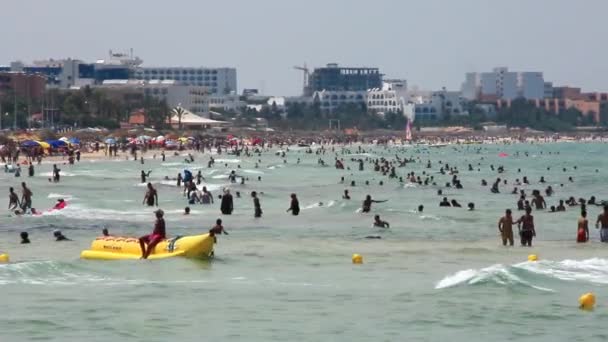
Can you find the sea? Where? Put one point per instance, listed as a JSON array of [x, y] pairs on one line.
[[437, 275]]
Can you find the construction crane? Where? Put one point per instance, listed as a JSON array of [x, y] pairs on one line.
[[306, 72]]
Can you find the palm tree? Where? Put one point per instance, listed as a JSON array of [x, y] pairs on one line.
[[179, 111]]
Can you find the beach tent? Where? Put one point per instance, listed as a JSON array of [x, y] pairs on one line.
[[57, 143], [29, 143], [44, 144]]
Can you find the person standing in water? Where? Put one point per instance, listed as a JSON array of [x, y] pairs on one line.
[[56, 175], [505, 227], [206, 197], [582, 230], [227, 205], [26, 197], [151, 197], [217, 229], [294, 206], [256, 205], [526, 228], [378, 223], [145, 175], [158, 234], [602, 224], [367, 204], [31, 170], [13, 199]]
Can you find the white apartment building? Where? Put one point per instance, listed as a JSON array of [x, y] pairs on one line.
[[332, 100], [193, 98], [501, 83], [440, 104], [392, 98], [228, 103], [218, 81]]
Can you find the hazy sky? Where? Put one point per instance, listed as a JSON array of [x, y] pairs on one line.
[[431, 43]]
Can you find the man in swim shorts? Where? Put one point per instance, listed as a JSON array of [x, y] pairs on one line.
[[158, 234], [603, 220], [505, 226], [151, 197], [13, 199], [526, 228]]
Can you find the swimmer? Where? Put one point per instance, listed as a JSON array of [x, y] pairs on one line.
[[445, 203], [227, 204], [187, 211], [471, 206], [420, 209], [105, 232], [346, 196], [582, 230], [13, 199], [144, 175], [602, 224], [25, 238], [59, 236], [294, 206], [378, 223], [256, 205], [26, 197], [505, 227], [561, 206], [218, 229], [151, 196], [367, 204], [525, 224], [455, 204]]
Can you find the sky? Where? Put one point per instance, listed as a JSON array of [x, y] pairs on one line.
[[431, 43]]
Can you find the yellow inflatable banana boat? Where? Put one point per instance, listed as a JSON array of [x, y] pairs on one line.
[[120, 248]]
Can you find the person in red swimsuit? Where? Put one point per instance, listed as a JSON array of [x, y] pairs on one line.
[[158, 234]]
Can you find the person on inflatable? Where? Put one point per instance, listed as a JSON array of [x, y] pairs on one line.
[[60, 204], [151, 240]]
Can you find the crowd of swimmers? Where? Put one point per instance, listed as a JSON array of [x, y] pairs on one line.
[[385, 167]]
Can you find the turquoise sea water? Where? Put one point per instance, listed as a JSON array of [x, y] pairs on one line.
[[439, 275]]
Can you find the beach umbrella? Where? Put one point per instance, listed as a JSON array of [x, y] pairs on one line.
[[74, 141], [160, 137], [29, 143], [63, 139], [56, 143], [144, 137], [183, 139], [44, 144], [110, 141]]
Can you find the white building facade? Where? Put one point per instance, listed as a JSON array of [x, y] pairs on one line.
[[330, 101], [440, 104], [192, 98], [218, 81], [503, 84], [392, 98]]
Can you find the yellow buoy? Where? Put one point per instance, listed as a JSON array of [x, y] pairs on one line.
[[357, 259], [587, 301], [4, 258], [532, 257]]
